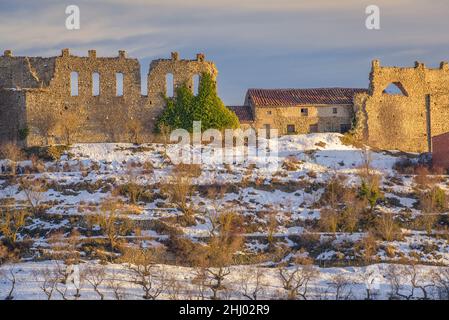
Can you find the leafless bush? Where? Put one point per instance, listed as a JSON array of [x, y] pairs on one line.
[[252, 283], [174, 287], [440, 280], [341, 286], [12, 221], [296, 280], [13, 153], [47, 279], [111, 224], [405, 280], [95, 276], [219, 252], [142, 264], [329, 220], [387, 228], [116, 285], [10, 275], [34, 191], [179, 190], [201, 282]]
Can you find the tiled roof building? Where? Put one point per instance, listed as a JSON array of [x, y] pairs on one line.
[[299, 110]]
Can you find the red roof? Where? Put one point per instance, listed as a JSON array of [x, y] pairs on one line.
[[244, 113], [293, 97]]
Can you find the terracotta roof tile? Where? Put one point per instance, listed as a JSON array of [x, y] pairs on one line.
[[244, 113], [293, 97]]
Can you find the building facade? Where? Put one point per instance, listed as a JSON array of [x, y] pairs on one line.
[[104, 91], [297, 111]]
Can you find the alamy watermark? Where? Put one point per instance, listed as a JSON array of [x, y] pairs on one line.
[[231, 146], [372, 21], [73, 20]]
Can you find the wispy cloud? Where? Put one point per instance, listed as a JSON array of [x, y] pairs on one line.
[[254, 42]]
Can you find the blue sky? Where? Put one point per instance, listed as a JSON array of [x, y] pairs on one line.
[[255, 43]]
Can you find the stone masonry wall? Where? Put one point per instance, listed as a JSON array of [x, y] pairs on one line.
[[183, 72], [48, 91], [12, 114], [321, 117], [405, 121]]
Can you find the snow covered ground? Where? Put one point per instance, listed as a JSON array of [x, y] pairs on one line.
[[327, 284], [90, 174]]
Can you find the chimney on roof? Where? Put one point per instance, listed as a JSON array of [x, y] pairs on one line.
[[375, 64], [7, 53], [419, 65], [175, 56], [92, 54], [200, 57], [65, 52], [122, 54]]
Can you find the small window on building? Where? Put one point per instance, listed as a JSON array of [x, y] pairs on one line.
[[269, 113], [196, 84], [313, 128], [291, 129], [304, 112], [74, 84], [169, 85], [334, 110], [345, 128], [95, 84], [119, 84]]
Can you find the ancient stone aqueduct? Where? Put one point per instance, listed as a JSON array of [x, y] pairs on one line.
[[32, 87]]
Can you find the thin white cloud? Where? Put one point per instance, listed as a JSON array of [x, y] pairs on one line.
[[236, 32]]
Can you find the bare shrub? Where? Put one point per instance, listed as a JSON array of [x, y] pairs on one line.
[[35, 193], [179, 190], [13, 153], [405, 280], [10, 275], [296, 280], [47, 279], [341, 286], [145, 274], [433, 201], [387, 228], [187, 170], [111, 224], [329, 220], [95, 276], [422, 178], [220, 250], [440, 280], [116, 286], [252, 283], [368, 247], [12, 221]]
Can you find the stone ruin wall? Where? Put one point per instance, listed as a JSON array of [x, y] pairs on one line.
[[183, 72], [404, 121], [33, 87]]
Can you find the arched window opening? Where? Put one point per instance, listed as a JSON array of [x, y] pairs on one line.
[[169, 85], [74, 84], [196, 84], [95, 84], [395, 88], [119, 84]]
